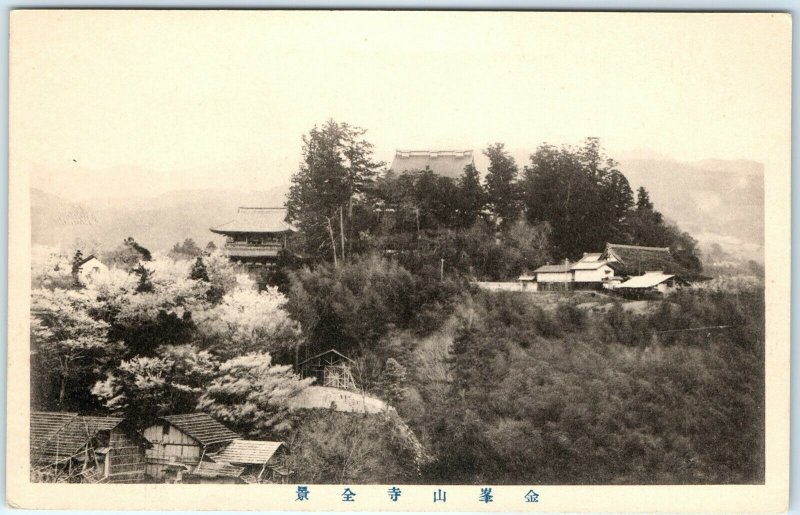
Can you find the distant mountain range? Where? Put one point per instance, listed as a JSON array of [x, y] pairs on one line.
[[716, 201], [155, 222]]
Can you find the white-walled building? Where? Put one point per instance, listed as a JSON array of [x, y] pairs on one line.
[[90, 266], [554, 277], [591, 272]]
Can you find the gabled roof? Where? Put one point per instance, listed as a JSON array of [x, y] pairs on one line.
[[255, 220], [447, 163], [329, 351], [202, 428], [648, 280], [562, 267], [634, 260], [247, 452], [72, 435]]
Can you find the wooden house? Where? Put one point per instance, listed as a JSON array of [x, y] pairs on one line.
[[447, 163], [184, 439], [329, 368], [256, 236], [67, 447], [262, 462]]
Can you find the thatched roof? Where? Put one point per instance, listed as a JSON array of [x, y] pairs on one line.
[[447, 163], [257, 220]]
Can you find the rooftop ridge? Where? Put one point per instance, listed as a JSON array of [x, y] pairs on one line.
[[640, 247], [465, 151]]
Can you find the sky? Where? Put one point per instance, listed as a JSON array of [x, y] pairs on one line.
[[119, 103]]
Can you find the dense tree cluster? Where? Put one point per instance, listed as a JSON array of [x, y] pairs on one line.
[[575, 196]]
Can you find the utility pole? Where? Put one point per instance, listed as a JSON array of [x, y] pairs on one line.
[[333, 242], [441, 269], [341, 229]]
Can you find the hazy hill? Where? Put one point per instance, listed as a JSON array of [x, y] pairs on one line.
[[156, 222], [714, 200]]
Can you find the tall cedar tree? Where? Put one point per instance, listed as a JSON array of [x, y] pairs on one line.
[[471, 196], [580, 193], [501, 190], [327, 191]]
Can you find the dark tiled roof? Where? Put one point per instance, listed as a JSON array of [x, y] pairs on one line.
[[68, 439], [636, 260], [257, 220], [250, 452], [202, 428], [447, 163]]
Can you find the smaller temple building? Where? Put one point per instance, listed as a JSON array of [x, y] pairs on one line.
[[256, 236]]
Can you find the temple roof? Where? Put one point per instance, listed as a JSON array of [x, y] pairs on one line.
[[257, 220], [634, 260], [447, 163]]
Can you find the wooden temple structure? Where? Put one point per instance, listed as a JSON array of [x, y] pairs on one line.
[[256, 236]]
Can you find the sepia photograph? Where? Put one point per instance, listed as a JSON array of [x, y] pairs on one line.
[[406, 249]]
